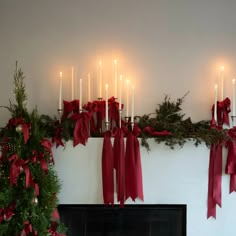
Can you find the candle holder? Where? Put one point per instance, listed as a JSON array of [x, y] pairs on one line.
[[120, 114], [233, 120], [99, 99], [59, 111], [107, 123], [80, 110], [132, 125]]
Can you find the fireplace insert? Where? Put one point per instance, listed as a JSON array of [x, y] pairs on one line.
[[131, 220]]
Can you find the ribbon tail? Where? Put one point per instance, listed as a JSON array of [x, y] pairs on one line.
[[232, 183]]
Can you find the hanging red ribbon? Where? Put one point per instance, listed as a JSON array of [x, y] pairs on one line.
[[57, 137], [113, 110], [81, 130], [52, 230], [6, 213], [231, 159], [214, 179], [107, 170]]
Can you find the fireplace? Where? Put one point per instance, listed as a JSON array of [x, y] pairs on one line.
[[131, 220]]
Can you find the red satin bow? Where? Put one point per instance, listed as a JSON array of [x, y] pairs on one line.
[[150, 131], [40, 158], [28, 229], [25, 127], [57, 137], [7, 212], [70, 107], [53, 228], [81, 130], [47, 144], [113, 110]]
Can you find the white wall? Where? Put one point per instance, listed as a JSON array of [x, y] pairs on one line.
[[168, 46], [177, 176]]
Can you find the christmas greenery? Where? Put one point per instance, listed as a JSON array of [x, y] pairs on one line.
[[28, 181]]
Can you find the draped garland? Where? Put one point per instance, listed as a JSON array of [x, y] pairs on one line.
[[27, 140]]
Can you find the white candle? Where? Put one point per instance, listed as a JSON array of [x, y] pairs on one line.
[[89, 96], [106, 110], [100, 80], [72, 84], [132, 107], [60, 92], [233, 81], [120, 97], [115, 82], [222, 82], [127, 98], [80, 95], [215, 103]]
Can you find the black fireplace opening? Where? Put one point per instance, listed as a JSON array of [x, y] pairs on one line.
[[130, 220]]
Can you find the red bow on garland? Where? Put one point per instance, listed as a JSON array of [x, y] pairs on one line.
[[52, 230], [7, 212], [28, 229], [150, 131], [47, 144], [70, 107]]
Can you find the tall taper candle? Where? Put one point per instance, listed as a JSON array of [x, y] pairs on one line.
[[127, 98], [89, 95], [222, 82], [132, 106], [106, 110], [72, 83], [215, 103], [120, 98], [233, 81], [115, 82], [60, 92], [100, 80], [80, 95]]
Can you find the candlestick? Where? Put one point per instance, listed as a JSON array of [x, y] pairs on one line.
[[132, 107], [127, 98], [100, 80], [120, 98], [80, 95], [72, 83], [222, 82], [106, 115], [115, 68], [60, 92], [89, 97], [215, 103], [233, 81]]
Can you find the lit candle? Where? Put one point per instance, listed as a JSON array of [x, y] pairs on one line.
[[89, 98], [233, 81], [72, 83], [127, 98], [60, 92], [80, 95], [132, 106], [100, 80], [120, 98], [115, 68], [106, 110], [215, 104], [222, 82]]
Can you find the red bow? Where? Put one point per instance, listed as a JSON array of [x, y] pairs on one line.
[[40, 157], [25, 127], [150, 131], [70, 107], [28, 229], [57, 137], [7, 212], [52, 230], [47, 144], [81, 130], [113, 110]]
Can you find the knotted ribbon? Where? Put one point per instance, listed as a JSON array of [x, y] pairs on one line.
[[47, 144], [28, 229], [231, 159], [7, 212], [214, 179], [113, 110], [70, 107], [81, 130], [40, 158], [57, 137], [52, 230]]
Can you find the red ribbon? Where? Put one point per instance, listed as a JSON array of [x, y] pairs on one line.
[[25, 127], [52, 230], [28, 230], [40, 158], [57, 137], [150, 131], [70, 107], [47, 144], [231, 159], [7, 212], [214, 178], [113, 110], [81, 130]]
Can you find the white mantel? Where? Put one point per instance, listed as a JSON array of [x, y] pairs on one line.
[[178, 176]]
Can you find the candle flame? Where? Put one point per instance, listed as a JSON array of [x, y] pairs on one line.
[[216, 86], [121, 76], [233, 80], [100, 63], [222, 68], [127, 82], [60, 74], [106, 86], [115, 61]]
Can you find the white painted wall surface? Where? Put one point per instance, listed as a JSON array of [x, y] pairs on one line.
[[177, 176]]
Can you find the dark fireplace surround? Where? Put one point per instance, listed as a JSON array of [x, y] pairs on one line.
[[131, 220]]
